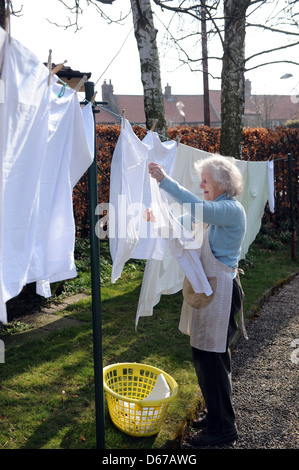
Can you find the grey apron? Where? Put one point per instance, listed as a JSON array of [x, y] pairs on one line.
[[208, 326]]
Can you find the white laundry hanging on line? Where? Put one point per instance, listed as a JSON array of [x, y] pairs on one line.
[[165, 277], [150, 245], [130, 195], [24, 143], [258, 189], [24, 116], [271, 189], [125, 198], [69, 153]]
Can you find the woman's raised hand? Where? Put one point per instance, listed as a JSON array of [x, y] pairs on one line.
[[156, 171]]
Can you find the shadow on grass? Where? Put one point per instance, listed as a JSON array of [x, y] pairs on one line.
[[47, 382]]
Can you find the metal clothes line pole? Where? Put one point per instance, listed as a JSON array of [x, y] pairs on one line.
[[96, 291]]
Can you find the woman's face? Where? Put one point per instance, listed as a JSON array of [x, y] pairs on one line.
[[209, 186]]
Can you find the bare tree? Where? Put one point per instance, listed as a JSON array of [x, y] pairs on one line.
[[232, 78], [145, 34], [2, 14], [229, 20]]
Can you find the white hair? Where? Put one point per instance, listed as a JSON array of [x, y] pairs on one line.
[[225, 172]]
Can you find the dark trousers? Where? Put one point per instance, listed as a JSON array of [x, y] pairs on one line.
[[213, 372]]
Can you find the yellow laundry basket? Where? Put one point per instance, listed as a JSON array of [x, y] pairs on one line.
[[126, 385]]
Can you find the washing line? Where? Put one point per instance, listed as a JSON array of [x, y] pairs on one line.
[[114, 56]]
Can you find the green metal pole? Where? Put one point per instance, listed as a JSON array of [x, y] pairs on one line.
[[96, 291]]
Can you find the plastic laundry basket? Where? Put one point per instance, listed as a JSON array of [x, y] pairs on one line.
[[126, 385]]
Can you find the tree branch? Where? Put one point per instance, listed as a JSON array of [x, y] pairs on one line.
[[274, 30], [273, 62], [272, 50]]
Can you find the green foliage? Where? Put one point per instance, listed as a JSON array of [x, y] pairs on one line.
[[292, 123]]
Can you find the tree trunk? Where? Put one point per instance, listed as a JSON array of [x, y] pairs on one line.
[[2, 14], [232, 79], [145, 34], [204, 45]]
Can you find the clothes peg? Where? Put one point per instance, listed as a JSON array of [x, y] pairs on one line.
[[124, 118], [50, 66], [178, 139], [58, 67], [7, 20], [93, 98], [79, 85], [154, 125]]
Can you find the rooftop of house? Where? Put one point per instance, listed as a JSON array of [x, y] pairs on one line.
[[185, 109], [189, 109]]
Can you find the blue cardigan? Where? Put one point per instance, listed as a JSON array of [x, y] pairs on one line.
[[226, 217]]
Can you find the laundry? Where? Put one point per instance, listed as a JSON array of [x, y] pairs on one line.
[[165, 277], [36, 195], [130, 236], [68, 155], [150, 245], [126, 194], [183, 244]]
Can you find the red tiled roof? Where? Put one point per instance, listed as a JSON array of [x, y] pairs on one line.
[[280, 107], [189, 108], [178, 110]]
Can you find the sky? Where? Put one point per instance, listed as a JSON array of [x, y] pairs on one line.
[[109, 51]]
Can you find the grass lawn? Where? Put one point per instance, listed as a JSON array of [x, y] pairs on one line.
[[46, 384]]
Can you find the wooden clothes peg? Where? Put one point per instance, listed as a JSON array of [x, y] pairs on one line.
[[154, 125], [79, 85], [178, 139], [124, 118], [58, 67], [93, 98], [50, 66], [7, 20]]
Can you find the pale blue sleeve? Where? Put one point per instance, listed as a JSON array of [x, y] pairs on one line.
[[221, 212]]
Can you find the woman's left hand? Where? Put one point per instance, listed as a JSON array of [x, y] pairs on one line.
[[148, 215]]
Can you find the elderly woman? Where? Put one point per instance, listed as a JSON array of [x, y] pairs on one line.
[[212, 325]]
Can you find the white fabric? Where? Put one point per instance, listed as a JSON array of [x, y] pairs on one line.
[[130, 236], [160, 390], [44, 150], [125, 201], [184, 246], [24, 127], [165, 277], [271, 191], [68, 155], [149, 244], [254, 198]]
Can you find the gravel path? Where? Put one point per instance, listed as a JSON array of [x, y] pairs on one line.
[[265, 376]]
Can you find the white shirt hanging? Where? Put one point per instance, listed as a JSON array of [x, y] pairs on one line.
[[43, 152]]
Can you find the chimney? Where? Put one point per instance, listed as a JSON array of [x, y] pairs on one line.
[[107, 91], [247, 87], [167, 93]]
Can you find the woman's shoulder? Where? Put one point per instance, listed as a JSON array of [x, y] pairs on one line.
[[232, 207]]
